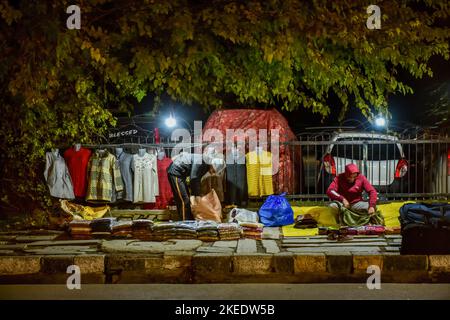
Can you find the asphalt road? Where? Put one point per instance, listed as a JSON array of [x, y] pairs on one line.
[[227, 291]]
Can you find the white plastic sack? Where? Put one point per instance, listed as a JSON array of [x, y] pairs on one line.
[[243, 215]]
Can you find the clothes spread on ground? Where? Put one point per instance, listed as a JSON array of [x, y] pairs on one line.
[[352, 218], [229, 231], [259, 173], [125, 159], [165, 197], [104, 177], [145, 178], [57, 176], [252, 230], [77, 162], [236, 176], [305, 222], [80, 229]]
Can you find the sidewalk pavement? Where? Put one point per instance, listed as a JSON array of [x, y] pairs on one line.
[[40, 259]]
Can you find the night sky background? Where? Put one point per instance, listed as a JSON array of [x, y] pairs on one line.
[[408, 110]]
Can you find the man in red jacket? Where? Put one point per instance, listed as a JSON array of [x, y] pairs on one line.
[[347, 188]]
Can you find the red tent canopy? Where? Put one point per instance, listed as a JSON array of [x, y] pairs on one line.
[[284, 180]]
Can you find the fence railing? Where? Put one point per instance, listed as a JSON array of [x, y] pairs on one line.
[[408, 168]]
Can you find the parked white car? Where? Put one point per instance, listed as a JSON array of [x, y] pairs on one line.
[[379, 161]]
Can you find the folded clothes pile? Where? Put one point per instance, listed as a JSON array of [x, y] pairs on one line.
[[164, 231], [80, 229], [229, 231], [305, 222], [186, 229], [368, 230], [122, 229], [362, 230], [102, 228], [142, 229], [207, 231], [252, 230]]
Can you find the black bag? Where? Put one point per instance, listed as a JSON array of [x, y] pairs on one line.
[[425, 228]]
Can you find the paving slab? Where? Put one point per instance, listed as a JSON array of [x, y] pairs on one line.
[[246, 246], [227, 244], [65, 243], [271, 233], [215, 249], [131, 246], [336, 244], [33, 238], [62, 250], [19, 246], [271, 246], [333, 249]]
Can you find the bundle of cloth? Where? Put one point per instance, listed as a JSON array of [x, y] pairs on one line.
[[364, 230], [164, 231], [305, 222], [207, 231], [102, 228], [80, 229], [252, 230], [229, 231], [142, 229], [243, 215], [122, 229], [186, 229]]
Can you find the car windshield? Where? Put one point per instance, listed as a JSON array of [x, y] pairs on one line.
[[375, 151], [383, 152]]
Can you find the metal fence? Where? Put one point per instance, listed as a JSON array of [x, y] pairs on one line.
[[408, 167]]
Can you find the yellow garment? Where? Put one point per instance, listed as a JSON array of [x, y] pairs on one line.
[[259, 173], [324, 216], [85, 212]]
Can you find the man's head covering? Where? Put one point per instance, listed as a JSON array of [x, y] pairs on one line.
[[350, 169]]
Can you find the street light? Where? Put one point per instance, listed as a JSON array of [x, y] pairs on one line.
[[380, 121], [171, 121]]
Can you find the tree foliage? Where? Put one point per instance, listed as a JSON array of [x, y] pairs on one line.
[[58, 86]]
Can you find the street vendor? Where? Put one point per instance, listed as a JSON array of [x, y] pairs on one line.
[[193, 166], [347, 189]]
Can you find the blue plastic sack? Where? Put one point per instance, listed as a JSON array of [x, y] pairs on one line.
[[276, 211]]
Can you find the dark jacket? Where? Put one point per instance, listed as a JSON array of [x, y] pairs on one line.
[[340, 188], [184, 166]]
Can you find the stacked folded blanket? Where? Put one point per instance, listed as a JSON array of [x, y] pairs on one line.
[[229, 231], [252, 230], [142, 229], [207, 231], [185, 230], [80, 229], [102, 228], [122, 229], [164, 231]]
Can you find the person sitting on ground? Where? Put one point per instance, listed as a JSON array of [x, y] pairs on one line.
[[347, 189]]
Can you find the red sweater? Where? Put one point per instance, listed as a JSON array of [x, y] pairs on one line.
[[165, 197], [340, 188], [77, 162]]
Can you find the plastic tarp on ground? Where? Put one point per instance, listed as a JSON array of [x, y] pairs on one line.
[[286, 178]]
